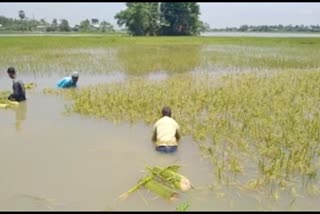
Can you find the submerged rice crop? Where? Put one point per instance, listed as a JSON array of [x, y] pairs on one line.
[[257, 128]]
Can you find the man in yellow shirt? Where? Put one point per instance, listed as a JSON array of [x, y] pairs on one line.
[[166, 132]]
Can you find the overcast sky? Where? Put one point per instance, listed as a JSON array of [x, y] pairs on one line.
[[215, 14]]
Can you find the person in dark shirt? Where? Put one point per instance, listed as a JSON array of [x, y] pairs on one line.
[[19, 93]]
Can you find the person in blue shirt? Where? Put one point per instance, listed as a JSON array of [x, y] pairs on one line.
[[69, 82]]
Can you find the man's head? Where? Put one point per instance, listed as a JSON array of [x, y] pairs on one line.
[[75, 77], [11, 72], [166, 111]]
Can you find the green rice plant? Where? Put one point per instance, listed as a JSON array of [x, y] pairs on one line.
[[262, 125], [183, 206]]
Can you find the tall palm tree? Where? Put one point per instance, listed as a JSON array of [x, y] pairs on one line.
[[22, 14], [94, 21]]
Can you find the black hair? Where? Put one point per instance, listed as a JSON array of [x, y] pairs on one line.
[[166, 111], [11, 70]]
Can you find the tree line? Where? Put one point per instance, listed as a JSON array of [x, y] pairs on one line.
[[270, 28], [26, 24], [138, 19], [145, 19]]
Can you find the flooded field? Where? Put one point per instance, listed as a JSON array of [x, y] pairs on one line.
[[78, 162], [54, 160]]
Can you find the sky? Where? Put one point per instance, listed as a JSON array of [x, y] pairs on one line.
[[217, 15]]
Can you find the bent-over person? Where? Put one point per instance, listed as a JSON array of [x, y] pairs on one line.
[[19, 93], [166, 132]]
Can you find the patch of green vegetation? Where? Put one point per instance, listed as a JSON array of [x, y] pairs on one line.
[[140, 55], [183, 206], [261, 127]]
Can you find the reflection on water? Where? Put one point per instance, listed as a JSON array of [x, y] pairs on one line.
[[160, 75], [142, 59], [20, 112], [59, 162]]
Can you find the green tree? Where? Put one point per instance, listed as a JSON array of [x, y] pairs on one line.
[[154, 17], [64, 25], [204, 27], [22, 16], [76, 28], [140, 18], [180, 18], [84, 25], [94, 23], [54, 24], [244, 28], [32, 24], [43, 22], [106, 27], [177, 18]]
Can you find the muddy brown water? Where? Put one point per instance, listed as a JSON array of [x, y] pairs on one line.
[[53, 161]]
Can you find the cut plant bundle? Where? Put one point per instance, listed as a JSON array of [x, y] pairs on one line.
[[4, 102], [165, 182], [169, 174], [30, 85], [141, 182], [8, 104], [161, 189]]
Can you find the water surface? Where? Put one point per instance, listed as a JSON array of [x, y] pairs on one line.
[[53, 161]]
